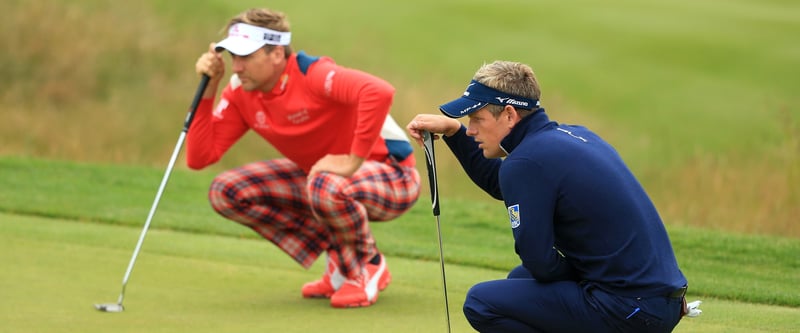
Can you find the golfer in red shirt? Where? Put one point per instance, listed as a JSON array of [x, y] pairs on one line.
[[345, 160]]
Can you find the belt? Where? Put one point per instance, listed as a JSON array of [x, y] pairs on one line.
[[678, 293]]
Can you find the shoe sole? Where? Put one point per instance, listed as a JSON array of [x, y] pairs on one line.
[[357, 305]]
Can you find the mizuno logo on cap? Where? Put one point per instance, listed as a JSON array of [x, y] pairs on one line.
[[511, 101]]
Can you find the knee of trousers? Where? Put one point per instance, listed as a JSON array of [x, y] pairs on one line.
[[327, 196], [475, 308], [221, 196], [519, 272]]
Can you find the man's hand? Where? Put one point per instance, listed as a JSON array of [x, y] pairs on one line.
[[342, 165], [436, 124], [211, 64]]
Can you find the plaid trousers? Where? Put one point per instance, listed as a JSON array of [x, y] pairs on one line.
[[306, 216]]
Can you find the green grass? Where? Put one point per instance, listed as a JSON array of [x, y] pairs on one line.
[[699, 97], [186, 282], [56, 270], [741, 273], [475, 234]]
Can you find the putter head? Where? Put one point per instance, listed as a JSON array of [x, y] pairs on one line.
[[109, 307]]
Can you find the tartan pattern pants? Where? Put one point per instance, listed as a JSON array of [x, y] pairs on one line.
[[306, 216]]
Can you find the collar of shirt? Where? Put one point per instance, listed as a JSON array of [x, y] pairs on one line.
[[283, 81], [530, 124]]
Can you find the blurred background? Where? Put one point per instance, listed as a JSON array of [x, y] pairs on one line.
[[699, 97]]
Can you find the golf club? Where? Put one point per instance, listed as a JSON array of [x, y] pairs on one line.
[[430, 160], [117, 307]]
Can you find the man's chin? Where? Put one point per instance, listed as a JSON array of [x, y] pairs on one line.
[[490, 155], [247, 85]]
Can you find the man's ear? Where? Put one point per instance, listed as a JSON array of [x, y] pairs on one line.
[[277, 54], [512, 114]]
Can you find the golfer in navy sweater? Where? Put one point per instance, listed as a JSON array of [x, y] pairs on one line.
[[595, 254]]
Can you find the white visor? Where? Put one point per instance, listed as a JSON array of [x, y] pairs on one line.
[[244, 39]]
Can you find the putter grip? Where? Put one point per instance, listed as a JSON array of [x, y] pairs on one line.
[[430, 161], [195, 102]]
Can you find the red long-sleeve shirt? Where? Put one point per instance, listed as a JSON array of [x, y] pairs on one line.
[[316, 108]]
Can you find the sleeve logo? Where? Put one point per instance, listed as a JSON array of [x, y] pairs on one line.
[[513, 215], [223, 104]]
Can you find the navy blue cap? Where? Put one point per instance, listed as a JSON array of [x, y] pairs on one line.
[[478, 95]]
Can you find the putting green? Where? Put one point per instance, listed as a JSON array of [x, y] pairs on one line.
[[55, 270]]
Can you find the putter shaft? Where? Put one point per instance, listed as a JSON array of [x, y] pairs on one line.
[[430, 160], [444, 278], [109, 307]]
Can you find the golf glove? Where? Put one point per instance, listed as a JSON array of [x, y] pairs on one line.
[[694, 309]]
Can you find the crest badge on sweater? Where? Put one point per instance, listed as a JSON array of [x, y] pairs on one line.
[[513, 215]]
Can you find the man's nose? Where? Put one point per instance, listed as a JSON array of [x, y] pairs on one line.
[[237, 64], [471, 131]]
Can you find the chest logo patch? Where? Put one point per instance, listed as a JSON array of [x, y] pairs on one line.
[[299, 117], [513, 215], [261, 120]]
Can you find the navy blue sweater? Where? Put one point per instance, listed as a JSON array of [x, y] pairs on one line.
[[575, 209]]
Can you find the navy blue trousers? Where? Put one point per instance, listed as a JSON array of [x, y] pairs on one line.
[[522, 304]]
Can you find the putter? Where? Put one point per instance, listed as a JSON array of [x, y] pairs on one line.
[[117, 307], [430, 160]]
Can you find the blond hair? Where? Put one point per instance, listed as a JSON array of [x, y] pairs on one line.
[[511, 78], [265, 18]]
